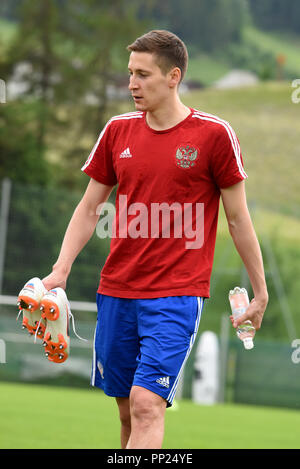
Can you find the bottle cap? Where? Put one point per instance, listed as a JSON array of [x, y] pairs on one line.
[[248, 343]]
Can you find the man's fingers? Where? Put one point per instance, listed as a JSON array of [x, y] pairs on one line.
[[240, 320], [254, 314], [52, 281]]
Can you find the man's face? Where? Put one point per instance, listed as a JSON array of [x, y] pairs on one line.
[[149, 87]]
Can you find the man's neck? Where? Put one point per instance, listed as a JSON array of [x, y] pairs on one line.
[[167, 117]]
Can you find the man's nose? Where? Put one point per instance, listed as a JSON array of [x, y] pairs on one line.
[[132, 83]]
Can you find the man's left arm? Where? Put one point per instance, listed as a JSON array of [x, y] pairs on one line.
[[245, 240]]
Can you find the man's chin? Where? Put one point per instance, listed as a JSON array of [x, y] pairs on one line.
[[139, 106]]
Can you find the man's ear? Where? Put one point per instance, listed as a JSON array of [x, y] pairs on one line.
[[175, 77]]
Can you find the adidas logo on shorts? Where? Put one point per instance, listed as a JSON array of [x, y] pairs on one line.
[[164, 381]]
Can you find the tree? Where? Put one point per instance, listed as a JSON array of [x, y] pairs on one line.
[[207, 24], [276, 14], [96, 35], [20, 158], [35, 46], [72, 50], [25, 121]]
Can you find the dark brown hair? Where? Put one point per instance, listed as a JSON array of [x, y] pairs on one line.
[[170, 51]]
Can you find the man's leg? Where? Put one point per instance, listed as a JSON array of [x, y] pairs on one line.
[[147, 411], [124, 411]]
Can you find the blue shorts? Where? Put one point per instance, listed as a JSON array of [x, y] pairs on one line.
[[143, 342]]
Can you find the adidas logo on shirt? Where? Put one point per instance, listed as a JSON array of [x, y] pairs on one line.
[[164, 381], [126, 154]]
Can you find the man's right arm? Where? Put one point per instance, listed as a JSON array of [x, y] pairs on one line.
[[80, 229]]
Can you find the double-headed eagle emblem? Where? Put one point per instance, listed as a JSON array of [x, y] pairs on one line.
[[186, 156]]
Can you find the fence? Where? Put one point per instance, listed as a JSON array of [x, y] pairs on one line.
[[264, 376], [25, 359], [267, 376], [32, 223]]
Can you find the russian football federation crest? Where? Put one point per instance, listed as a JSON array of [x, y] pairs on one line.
[[186, 156]]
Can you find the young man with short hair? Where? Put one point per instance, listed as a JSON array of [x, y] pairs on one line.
[[174, 161]]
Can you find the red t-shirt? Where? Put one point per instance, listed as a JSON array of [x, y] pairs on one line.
[[167, 201]]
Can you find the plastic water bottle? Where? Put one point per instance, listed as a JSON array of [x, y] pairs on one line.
[[239, 302]]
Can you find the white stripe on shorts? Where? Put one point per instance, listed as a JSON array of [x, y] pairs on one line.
[[94, 364], [192, 340]]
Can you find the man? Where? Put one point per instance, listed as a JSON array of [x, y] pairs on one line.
[[155, 278]]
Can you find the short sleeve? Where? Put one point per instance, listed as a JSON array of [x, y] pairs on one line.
[[99, 164], [226, 162]]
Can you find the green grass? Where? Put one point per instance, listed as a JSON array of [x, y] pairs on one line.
[[49, 417]]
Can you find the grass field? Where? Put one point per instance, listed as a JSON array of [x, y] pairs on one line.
[[33, 416]]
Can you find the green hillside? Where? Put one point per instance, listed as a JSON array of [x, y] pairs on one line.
[[267, 125], [276, 44], [206, 69], [257, 52]]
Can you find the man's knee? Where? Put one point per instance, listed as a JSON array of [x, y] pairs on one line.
[[145, 405]]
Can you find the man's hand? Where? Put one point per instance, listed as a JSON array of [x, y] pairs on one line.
[[55, 279], [254, 313]]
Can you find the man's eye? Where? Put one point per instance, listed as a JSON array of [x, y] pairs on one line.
[[139, 74]]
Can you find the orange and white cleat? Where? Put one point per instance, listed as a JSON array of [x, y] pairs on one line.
[[31, 294], [34, 323], [47, 314], [28, 303], [55, 309]]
